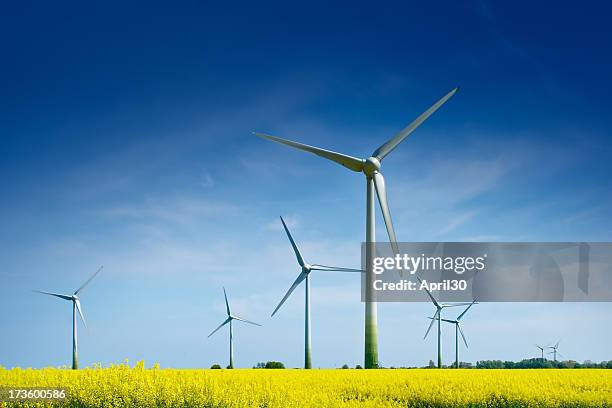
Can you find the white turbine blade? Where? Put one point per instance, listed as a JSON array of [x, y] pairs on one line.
[[299, 280], [227, 306], [349, 162], [465, 311], [435, 302], [381, 191], [65, 297], [433, 319], [462, 335], [317, 267], [220, 326], [298, 255], [245, 320], [78, 306], [455, 304], [391, 144], [76, 292], [445, 320]]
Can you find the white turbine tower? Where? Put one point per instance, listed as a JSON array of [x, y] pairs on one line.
[[76, 307], [305, 276], [229, 319], [457, 323], [375, 181]]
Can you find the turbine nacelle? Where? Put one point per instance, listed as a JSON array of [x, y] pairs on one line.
[[371, 166]]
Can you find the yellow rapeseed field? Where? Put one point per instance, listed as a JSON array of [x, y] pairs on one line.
[[121, 386]]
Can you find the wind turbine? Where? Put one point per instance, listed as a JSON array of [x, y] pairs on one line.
[[542, 350], [229, 319], [76, 306], [375, 181], [305, 276], [438, 316], [555, 352], [457, 323]]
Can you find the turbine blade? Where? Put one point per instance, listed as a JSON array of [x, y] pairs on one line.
[[245, 320], [445, 320], [462, 335], [317, 267], [456, 304], [465, 311], [65, 297], [298, 255], [349, 162], [299, 280], [391, 144], [227, 306], [78, 306], [220, 326], [381, 191], [76, 292], [435, 302], [433, 319]]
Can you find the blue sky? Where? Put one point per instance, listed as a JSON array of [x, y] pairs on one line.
[[126, 142]]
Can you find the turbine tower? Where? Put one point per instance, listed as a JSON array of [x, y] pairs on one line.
[[375, 184], [76, 307], [229, 319], [438, 316], [305, 276], [555, 352], [457, 323]]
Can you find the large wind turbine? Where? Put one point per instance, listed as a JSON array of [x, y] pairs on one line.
[[305, 276], [76, 306], [458, 330], [370, 167], [229, 319]]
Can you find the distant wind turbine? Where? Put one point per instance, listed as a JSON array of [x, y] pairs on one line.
[[457, 323], [438, 316], [229, 319], [375, 181], [305, 276], [542, 350], [555, 352], [76, 306]]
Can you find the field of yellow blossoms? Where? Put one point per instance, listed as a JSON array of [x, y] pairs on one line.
[[122, 386]]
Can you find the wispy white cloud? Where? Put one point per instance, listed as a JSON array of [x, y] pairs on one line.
[[456, 222], [181, 210]]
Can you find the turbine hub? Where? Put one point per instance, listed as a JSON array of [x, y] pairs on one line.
[[306, 268], [371, 166]]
